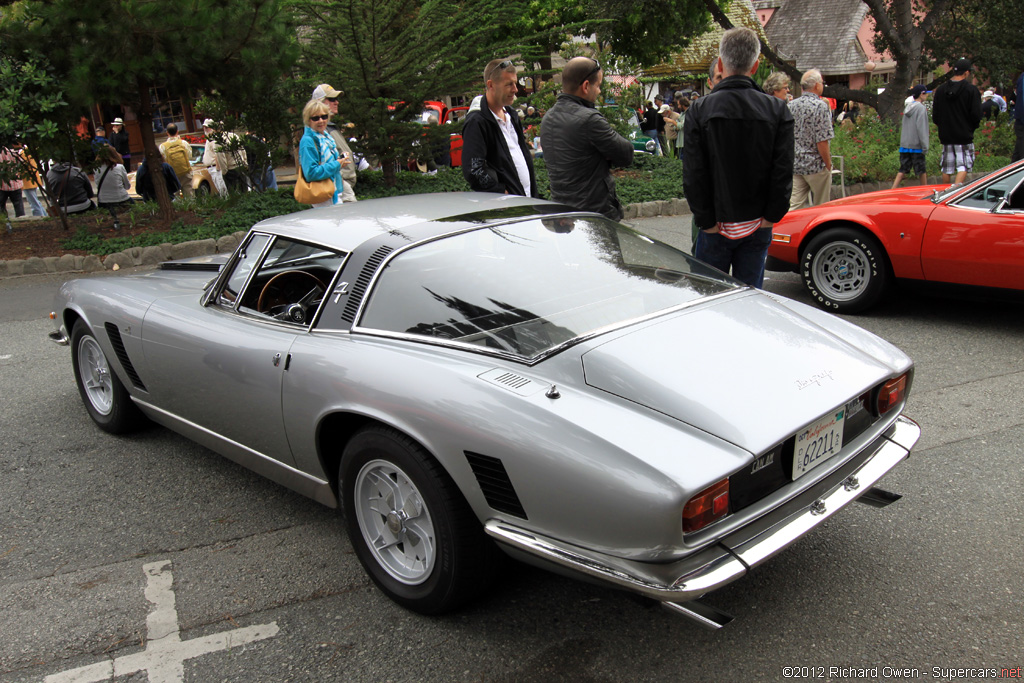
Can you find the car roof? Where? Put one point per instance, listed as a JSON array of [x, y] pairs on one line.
[[399, 221]]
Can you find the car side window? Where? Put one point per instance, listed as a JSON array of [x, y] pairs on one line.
[[243, 265], [290, 283], [989, 196]]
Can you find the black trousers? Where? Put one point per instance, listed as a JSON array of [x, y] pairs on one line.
[[15, 197], [1018, 148]]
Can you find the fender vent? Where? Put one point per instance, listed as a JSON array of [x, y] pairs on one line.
[[114, 335], [362, 282], [495, 484], [514, 382]]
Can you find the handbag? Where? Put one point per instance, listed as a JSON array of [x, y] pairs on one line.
[[315, 192]]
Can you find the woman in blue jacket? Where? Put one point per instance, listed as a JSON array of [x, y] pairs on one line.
[[318, 154]]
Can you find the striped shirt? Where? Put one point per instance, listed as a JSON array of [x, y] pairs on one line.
[[739, 229]]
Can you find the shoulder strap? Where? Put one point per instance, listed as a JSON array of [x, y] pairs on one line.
[[103, 177]]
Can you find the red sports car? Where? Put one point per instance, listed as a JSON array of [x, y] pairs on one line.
[[849, 251]]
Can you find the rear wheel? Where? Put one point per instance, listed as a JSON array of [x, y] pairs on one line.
[[105, 398], [845, 270], [411, 528], [203, 190]]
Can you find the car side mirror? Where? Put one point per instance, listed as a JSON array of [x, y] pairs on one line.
[[999, 207]]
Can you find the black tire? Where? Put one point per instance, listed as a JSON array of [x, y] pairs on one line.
[[104, 396], [203, 190], [845, 270], [432, 554]]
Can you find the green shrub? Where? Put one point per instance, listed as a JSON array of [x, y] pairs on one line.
[[871, 149], [237, 212]]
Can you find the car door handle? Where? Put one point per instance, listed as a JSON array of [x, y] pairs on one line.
[[277, 359]]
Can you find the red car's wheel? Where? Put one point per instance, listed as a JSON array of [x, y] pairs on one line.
[[845, 270]]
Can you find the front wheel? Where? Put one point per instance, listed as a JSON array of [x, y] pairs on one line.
[[105, 397], [411, 528], [845, 270]]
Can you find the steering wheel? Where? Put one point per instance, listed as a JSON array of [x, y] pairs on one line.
[[288, 295]]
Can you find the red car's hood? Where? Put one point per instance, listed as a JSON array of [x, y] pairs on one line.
[[901, 196]]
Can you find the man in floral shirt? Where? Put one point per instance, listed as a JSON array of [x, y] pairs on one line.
[[812, 165]]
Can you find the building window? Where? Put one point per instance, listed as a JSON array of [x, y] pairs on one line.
[[166, 110]]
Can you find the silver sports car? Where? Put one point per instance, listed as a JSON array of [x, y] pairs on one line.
[[474, 375]]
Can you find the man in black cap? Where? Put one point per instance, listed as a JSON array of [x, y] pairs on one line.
[[956, 112]]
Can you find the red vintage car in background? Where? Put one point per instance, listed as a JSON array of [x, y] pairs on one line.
[[447, 115], [849, 252]]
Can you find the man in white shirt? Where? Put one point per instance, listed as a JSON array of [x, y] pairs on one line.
[[495, 156]]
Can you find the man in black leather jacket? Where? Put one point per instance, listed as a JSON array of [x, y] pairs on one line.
[[580, 145], [495, 157], [738, 174]]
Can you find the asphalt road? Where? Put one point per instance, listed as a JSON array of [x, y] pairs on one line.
[[107, 544]]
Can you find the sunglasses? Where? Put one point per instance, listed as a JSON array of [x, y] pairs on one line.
[[504, 65], [597, 67], [322, 117], [332, 99]]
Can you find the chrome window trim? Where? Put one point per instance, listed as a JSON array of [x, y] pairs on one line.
[[210, 298], [547, 353], [971, 188], [460, 231], [474, 348]]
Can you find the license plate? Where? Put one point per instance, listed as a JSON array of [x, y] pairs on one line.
[[818, 443]]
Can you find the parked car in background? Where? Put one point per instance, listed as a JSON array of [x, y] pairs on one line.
[[849, 252], [202, 183], [466, 373]]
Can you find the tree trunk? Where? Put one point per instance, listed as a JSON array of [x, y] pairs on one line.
[[154, 161]]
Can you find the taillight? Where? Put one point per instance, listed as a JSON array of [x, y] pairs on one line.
[[706, 507], [891, 394]]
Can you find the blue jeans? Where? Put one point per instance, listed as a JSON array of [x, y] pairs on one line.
[[33, 201], [745, 256]]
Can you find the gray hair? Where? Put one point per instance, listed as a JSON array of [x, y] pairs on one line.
[[810, 79], [738, 50], [777, 81]]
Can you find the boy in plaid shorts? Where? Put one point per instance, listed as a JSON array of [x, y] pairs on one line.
[[957, 113], [914, 137]]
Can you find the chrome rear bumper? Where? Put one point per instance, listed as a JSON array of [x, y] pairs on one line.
[[734, 555]]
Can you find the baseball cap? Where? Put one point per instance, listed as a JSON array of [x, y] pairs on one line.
[[664, 108], [916, 91], [323, 91], [962, 65]]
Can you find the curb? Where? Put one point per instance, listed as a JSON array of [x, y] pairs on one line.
[[129, 258], [151, 256]]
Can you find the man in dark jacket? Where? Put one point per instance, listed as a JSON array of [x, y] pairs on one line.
[[956, 111], [1018, 119], [738, 174], [580, 145], [495, 157], [119, 141]]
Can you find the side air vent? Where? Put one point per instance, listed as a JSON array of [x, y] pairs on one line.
[[362, 282], [114, 335], [514, 382], [495, 484]]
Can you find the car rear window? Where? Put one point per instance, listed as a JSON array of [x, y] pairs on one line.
[[530, 287]]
